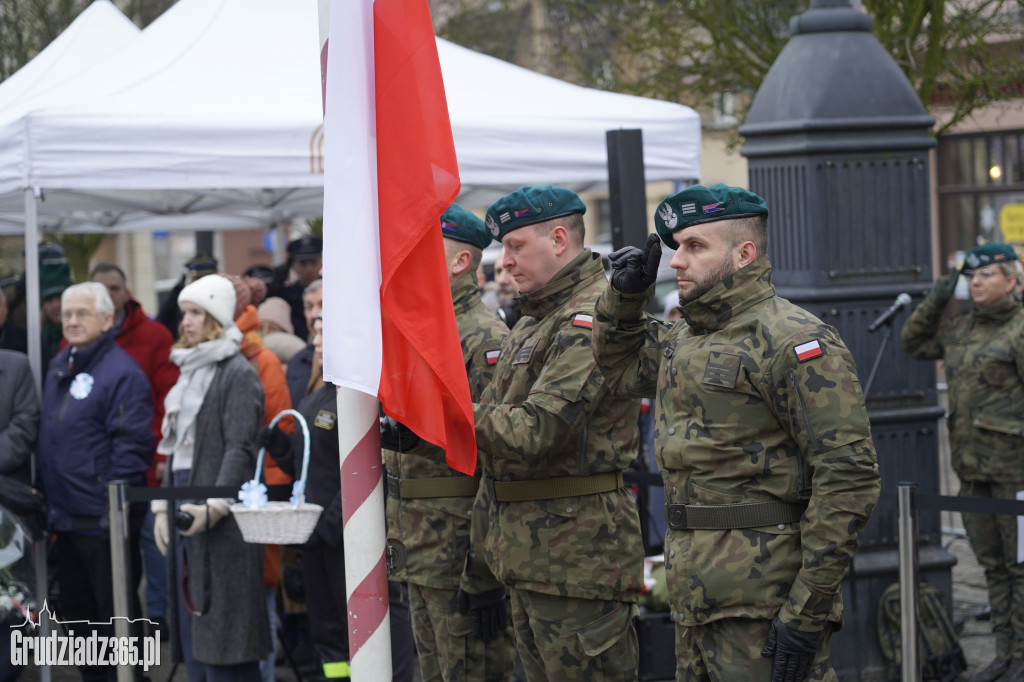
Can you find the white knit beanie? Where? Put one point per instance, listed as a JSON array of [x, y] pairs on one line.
[[215, 295]]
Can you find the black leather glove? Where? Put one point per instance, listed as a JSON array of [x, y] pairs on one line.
[[487, 613], [944, 288], [633, 270], [793, 651], [275, 441], [394, 435]]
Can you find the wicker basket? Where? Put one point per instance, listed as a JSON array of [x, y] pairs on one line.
[[280, 523], [277, 523]]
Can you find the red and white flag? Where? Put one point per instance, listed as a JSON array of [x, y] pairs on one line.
[[389, 325], [390, 174]]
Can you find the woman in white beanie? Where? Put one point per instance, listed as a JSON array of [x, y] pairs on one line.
[[210, 424]]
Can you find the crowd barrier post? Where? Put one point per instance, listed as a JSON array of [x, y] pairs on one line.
[[118, 504], [910, 665]]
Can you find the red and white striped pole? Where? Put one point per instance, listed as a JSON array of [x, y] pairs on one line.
[[365, 536], [362, 490]]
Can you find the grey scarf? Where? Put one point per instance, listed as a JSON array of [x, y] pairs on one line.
[[198, 365]]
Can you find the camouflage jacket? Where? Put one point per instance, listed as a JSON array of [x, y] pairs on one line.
[[756, 401], [548, 413], [984, 357], [435, 531]]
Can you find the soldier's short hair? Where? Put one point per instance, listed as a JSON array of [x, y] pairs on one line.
[[751, 228], [453, 246], [573, 224]]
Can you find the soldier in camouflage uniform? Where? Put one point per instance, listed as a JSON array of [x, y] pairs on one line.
[[429, 504], [553, 521], [761, 435], [983, 352]]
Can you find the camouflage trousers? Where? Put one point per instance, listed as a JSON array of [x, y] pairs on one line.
[[994, 541], [569, 639], [445, 645], [730, 649]]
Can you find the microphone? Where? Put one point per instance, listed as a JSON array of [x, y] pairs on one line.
[[886, 317]]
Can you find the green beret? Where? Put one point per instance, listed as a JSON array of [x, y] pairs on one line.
[[987, 254], [459, 224], [699, 204], [529, 205], [54, 276]]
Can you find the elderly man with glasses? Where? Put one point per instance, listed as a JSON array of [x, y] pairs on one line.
[[95, 427]]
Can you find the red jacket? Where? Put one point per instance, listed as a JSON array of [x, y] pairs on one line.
[[149, 343]]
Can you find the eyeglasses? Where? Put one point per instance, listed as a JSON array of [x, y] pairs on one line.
[[69, 315], [983, 274]]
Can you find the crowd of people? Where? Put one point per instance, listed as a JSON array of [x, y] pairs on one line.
[[530, 569]]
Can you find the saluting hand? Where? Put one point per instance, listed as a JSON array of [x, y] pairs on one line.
[[633, 270], [944, 288]]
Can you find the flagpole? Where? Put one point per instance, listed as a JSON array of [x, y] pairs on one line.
[[362, 477], [365, 536]]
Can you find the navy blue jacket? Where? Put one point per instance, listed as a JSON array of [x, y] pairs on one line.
[[96, 426]]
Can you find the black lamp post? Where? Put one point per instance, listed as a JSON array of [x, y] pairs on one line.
[[838, 142]]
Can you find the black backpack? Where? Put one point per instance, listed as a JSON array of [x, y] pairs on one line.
[[940, 653]]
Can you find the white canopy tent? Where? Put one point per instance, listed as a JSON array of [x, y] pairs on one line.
[[211, 119], [100, 29]]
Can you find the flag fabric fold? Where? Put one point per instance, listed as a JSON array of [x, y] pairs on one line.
[[391, 171]]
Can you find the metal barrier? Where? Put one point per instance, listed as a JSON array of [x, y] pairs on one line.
[[910, 666], [909, 501], [119, 496]]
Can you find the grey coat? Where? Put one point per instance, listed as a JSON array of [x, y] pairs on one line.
[[19, 414], [234, 629]]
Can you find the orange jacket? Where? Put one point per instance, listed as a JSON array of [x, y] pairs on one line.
[[277, 398]]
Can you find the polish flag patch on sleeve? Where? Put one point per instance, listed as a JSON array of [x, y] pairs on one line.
[[492, 356], [809, 351], [585, 321]]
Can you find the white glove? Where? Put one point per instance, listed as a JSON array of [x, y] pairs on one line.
[[161, 531], [205, 516]]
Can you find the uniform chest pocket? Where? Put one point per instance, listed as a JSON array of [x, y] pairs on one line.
[[722, 370]]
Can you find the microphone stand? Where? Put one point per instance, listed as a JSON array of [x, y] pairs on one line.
[[878, 357], [851, 571]]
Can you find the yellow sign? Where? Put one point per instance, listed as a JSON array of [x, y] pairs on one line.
[[1011, 222]]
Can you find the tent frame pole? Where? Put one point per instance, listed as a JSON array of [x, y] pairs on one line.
[[35, 361]]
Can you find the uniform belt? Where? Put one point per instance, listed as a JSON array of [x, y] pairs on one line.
[[729, 516], [422, 488], [554, 488]]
